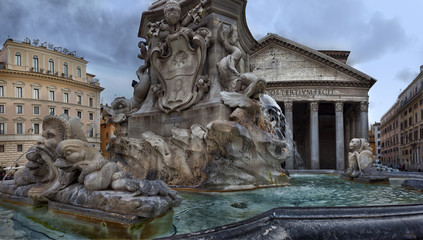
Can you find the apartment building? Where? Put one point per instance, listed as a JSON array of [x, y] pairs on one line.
[[37, 80], [402, 128]]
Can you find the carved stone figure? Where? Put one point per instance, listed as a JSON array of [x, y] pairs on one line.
[[117, 113], [64, 168], [41, 156], [360, 157]]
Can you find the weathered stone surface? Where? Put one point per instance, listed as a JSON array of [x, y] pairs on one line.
[[225, 155], [413, 183], [375, 222], [65, 169], [360, 157]]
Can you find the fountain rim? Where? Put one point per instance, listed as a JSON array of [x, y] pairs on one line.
[[317, 220]]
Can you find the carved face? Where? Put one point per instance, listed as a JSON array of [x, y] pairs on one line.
[[74, 154], [50, 136], [354, 144], [172, 13], [121, 105]]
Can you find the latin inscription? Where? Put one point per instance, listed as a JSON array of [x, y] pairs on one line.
[[300, 92]]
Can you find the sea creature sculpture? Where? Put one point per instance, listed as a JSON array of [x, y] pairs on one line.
[[360, 157]]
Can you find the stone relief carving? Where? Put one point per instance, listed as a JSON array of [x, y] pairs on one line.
[[177, 54], [360, 157]]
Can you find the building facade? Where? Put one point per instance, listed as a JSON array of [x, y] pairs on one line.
[[374, 136], [107, 130], [402, 128], [36, 80], [324, 100], [390, 137]]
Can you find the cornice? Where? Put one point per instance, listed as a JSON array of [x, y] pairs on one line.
[[51, 77], [45, 50], [313, 54]]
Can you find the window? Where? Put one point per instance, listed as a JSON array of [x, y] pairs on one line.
[[19, 109], [79, 99], [1, 148], [65, 69], [51, 66], [2, 128], [19, 148], [36, 128], [78, 71], [52, 111], [66, 111], [35, 64], [1, 91], [79, 114], [91, 101], [91, 133], [18, 92], [18, 59], [91, 116], [19, 128], [51, 95], [66, 97], [1, 108], [36, 93], [36, 110]]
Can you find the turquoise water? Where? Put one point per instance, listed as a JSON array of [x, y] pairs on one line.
[[200, 211], [206, 210]]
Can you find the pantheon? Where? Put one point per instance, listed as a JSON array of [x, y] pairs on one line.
[[324, 100]]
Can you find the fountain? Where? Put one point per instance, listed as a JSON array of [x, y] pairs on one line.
[[198, 122]]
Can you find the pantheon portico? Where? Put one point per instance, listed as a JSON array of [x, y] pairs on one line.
[[325, 101]]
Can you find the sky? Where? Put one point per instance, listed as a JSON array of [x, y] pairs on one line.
[[385, 37]]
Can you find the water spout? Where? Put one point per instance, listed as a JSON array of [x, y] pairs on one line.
[[14, 164]]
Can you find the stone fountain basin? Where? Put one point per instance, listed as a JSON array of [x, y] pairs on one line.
[[297, 219], [371, 222]]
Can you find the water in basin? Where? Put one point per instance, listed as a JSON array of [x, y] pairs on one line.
[[200, 211]]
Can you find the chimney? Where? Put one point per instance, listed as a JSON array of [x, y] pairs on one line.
[[421, 68]]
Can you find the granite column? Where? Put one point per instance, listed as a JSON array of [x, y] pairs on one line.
[[314, 135]]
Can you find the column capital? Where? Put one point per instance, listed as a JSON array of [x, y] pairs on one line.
[[288, 106], [314, 106], [364, 106], [339, 106]]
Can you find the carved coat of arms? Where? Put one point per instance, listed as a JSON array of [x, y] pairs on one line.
[[179, 72]]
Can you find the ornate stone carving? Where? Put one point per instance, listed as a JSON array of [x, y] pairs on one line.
[[360, 157], [179, 73], [63, 164], [177, 54], [288, 106], [314, 106], [364, 106], [339, 107]]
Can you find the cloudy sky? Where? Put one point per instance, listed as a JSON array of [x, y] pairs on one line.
[[385, 37]]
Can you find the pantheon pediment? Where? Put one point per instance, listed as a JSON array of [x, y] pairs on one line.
[[284, 62]]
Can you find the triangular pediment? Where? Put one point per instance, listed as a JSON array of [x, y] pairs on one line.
[[279, 60]]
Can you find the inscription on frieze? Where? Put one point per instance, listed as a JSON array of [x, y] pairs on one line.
[[300, 92]]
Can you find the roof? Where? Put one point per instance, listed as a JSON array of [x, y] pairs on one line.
[[321, 56]]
